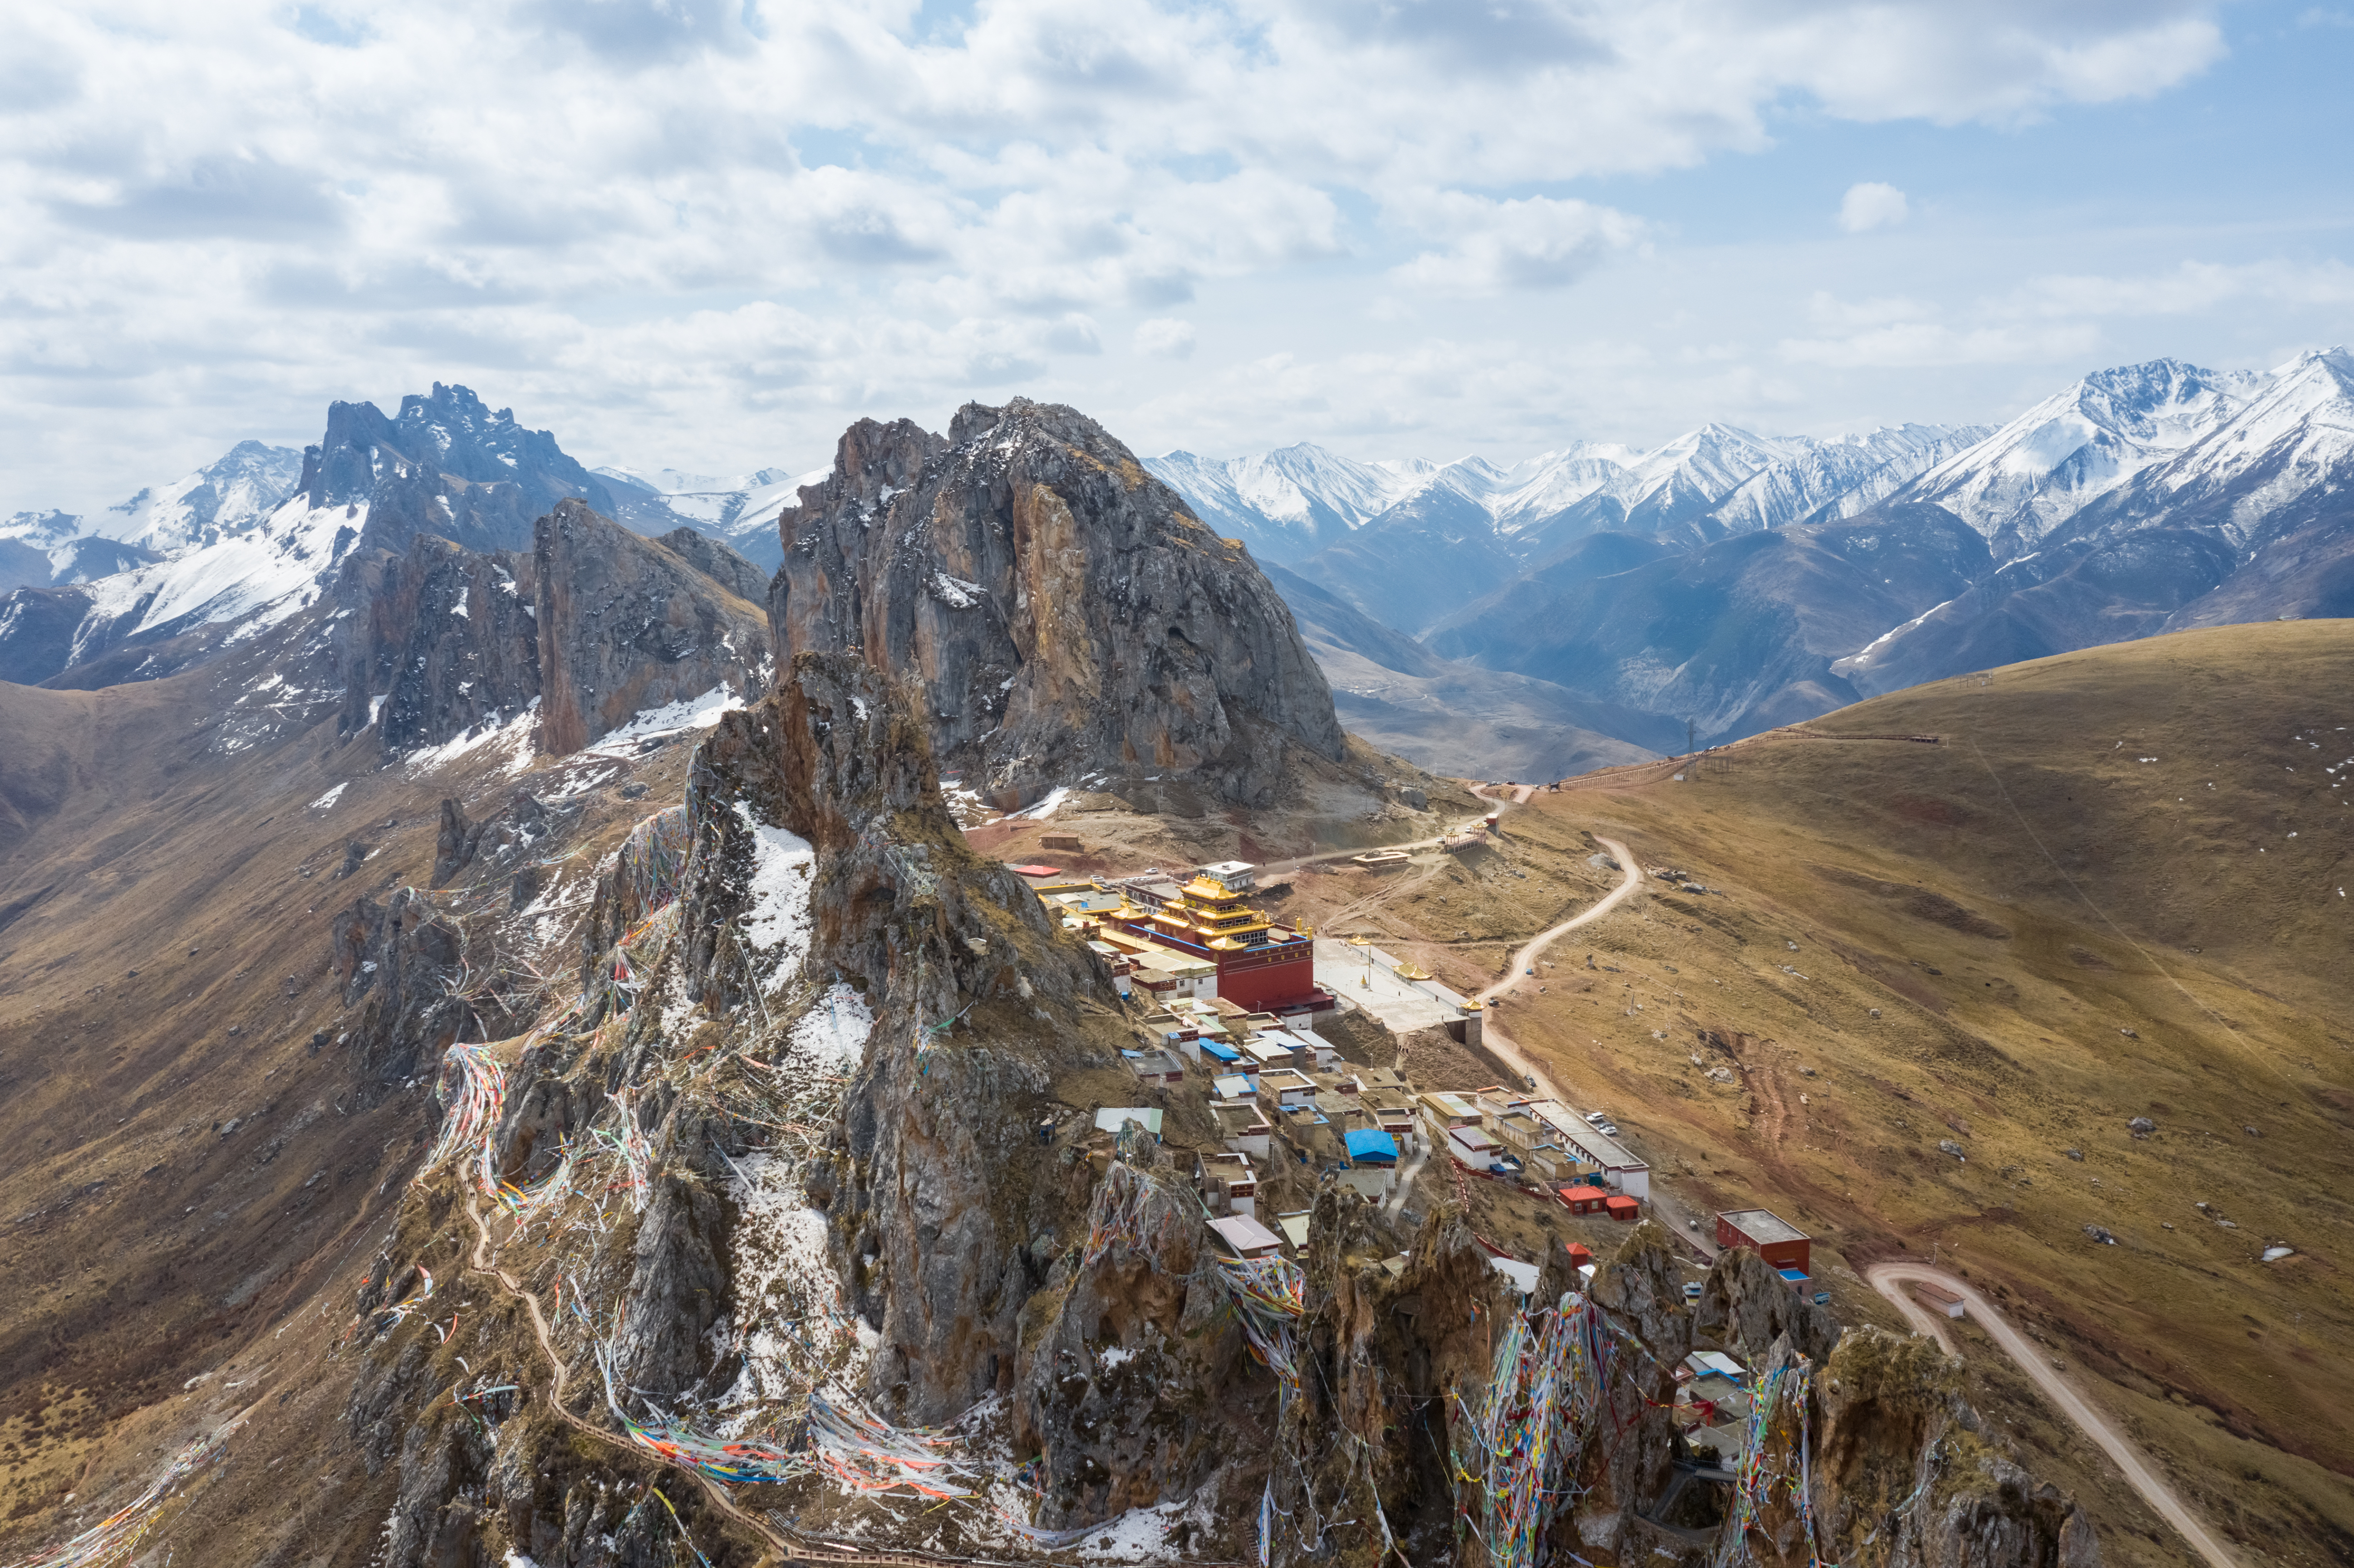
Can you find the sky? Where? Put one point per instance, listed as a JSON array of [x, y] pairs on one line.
[[709, 233]]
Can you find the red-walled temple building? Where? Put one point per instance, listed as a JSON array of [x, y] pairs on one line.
[[1262, 966]]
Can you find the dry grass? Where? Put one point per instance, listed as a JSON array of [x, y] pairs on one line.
[[2013, 901]]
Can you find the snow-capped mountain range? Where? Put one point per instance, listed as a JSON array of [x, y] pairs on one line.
[[2140, 499], [221, 500], [1783, 574], [739, 508], [244, 544], [1290, 503]]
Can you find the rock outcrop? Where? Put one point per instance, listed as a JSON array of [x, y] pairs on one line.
[[396, 962], [1068, 617], [435, 642], [930, 1198], [626, 624]]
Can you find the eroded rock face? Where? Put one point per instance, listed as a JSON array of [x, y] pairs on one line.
[[717, 561], [438, 640], [1747, 1300], [1130, 1368], [1067, 617], [1902, 1458], [395, 961], [933, 1202], [625, 624]]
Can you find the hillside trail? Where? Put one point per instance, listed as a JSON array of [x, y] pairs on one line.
[[1525, 958], [1887, 1279], [484, 1263], [1279, 867], [1681, 1219]]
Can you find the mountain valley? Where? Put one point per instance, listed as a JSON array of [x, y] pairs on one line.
[[536, 1041], [2145, 498]]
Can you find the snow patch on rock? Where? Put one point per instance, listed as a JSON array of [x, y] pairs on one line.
[[777, 923]]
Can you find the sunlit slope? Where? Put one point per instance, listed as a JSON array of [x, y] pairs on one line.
[[2111, 889]]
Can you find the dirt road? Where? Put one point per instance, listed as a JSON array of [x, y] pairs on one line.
[[1888, 1278], [1526, 959]]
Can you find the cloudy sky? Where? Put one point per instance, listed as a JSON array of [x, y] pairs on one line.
[[706, 234]]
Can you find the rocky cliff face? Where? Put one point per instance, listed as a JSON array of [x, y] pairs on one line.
[[1067, 617], [594, 625], [435, 641], [625, 624]]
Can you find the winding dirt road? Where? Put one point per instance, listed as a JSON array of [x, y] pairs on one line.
[[1525, 960], [1889, 1278]]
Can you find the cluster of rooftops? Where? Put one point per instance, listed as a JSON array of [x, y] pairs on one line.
[[1265, 1071]]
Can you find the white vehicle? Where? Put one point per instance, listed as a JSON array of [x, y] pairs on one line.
[[1596, 1118]]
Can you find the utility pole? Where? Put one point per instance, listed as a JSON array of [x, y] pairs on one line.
[[1690, 733]]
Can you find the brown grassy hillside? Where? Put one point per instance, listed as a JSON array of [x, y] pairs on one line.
[[2116, 886], [186, 1170]]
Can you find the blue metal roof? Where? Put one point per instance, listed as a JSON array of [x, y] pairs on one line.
[[1222, 1052], [1371, 1143]]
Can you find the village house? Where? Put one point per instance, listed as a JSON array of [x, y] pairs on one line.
[[1242, 1125], [1227, 1182], [1162, 1068]]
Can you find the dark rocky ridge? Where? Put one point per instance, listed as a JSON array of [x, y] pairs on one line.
[[443, 465], [1066, 613], [626, 623], [436, 640], [595, 624]]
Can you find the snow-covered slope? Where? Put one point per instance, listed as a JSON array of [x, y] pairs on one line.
[[1289, 503], [2282, 460], [2035, 473], [49, 549], [1841, 476], [2193, 499], [226, 496], [741, 509]]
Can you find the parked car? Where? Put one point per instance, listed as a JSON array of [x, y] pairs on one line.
[[1529, 1079], [1596, 1118]]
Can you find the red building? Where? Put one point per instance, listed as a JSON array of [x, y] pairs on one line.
[[1584, 1200], [1773, 1238], [1262, 966]]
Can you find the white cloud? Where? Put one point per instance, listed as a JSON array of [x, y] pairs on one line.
[[1871, 204], [1538, 243], [1922, 345], [1165, 337], [2192, 288], [729, 228]]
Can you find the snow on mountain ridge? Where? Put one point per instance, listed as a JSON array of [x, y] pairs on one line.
[[229, 495], [2079, 444], [1842, 475]]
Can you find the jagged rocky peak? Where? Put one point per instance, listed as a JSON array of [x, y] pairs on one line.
[[1068, 617], [444, 464]]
